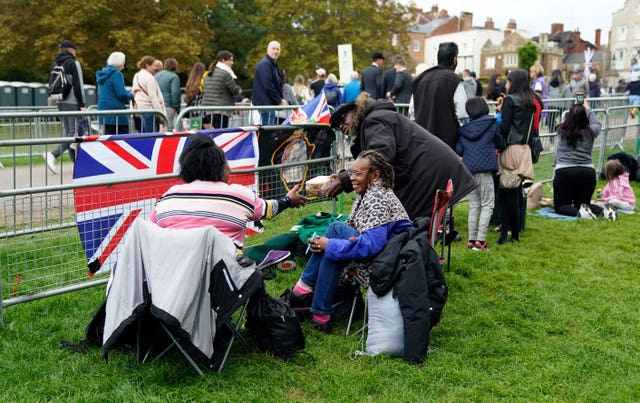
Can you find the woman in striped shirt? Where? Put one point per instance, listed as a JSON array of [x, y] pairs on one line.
[[207, 199]]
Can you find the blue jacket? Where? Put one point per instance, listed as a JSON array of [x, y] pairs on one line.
[[478, 142], [351, 90], [367, 245], [331, 87], [267, 83], [112, 95]]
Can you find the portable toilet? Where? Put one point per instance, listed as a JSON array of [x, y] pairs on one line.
[[7, 94], [40, 94], [24, 94], [91, 95]]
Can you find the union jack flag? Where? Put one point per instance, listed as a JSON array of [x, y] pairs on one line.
[[315, 111], [104, 213]]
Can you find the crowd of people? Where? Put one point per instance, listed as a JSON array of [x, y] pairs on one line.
[[402, 157]]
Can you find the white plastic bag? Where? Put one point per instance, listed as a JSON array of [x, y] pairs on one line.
[[386, 327]]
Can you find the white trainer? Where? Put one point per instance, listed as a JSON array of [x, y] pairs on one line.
[[586, 213], [51, 162], [609, 212]]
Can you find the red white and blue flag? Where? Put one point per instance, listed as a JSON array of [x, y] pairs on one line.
[[315, 111], [104, 213]]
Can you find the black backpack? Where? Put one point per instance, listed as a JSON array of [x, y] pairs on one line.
[[59, 82], [275, 326], [332, 97]]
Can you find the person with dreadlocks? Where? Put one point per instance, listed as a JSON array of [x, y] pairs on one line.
[[376, 216]]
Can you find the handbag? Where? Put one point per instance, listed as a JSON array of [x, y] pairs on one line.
[[509, 179]]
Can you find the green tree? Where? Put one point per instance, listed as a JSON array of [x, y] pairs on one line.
[[527, 55], [309, 32], [32, 30]]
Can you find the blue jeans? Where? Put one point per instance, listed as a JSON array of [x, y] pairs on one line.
[[268, 118], [322, 273]]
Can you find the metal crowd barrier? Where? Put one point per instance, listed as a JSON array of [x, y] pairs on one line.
[[47, 123], [41, 253], [40, 250]]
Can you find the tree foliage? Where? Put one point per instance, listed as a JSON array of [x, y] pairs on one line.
[[309, 32], [527, 55], [195, 30], [32, 30]]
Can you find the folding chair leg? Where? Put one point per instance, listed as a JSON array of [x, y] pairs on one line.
[[235, 332], [353, 309], [182, 350]]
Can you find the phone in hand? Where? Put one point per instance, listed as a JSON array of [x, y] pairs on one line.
[[580, 98]]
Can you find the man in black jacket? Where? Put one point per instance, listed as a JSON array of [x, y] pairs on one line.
[[372, 77], [439, 96], [73, 101]]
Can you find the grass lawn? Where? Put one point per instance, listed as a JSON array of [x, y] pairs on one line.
[[553, 318]]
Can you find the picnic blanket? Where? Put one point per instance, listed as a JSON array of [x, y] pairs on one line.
[[548, 212]]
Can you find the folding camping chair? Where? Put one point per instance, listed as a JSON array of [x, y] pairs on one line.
[[179, 288], [441, 223]]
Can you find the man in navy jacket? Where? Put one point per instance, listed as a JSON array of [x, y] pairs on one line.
[[267, 83]]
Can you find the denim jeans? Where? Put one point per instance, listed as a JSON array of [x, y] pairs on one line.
[[322, 273], [69, 124], [268, 118]]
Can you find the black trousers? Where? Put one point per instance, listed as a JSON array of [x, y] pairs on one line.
[[510, 212], [572, 187]]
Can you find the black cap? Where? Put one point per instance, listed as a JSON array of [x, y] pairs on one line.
[[339, 113], [377, 55], [68, 44]]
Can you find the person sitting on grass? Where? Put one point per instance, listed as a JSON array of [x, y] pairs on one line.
[[479, 139], [376, 216], [617, 193]]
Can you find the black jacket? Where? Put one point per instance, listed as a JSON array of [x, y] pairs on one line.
[[372, 81], [68, 61], [433, 99], [422, 162], [409, 267]]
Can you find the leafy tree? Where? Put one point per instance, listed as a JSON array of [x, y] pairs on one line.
[[527, 55], [32, 30], [309, 32]]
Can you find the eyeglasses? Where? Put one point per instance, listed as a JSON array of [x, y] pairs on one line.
[[357, 174]]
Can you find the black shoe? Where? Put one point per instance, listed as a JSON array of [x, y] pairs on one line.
[[502, 240], [297, 301], [326, 327]]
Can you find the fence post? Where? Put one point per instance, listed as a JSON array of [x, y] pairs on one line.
[[603, 142]]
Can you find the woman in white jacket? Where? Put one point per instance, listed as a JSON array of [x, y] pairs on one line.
[[147, 95]]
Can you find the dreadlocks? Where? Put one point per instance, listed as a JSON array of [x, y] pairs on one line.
[[378, 163]]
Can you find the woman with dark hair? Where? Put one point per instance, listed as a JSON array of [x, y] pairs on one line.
[[519, 122], [220, 88], [376, 216], [574, 178], [493, 88], [193, 88], [207, 199]]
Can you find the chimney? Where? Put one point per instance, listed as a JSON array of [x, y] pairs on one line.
[[511, 25], [556, 27], [488, 24], [598, 33], [443, 13], [466, 21], [434, 10]]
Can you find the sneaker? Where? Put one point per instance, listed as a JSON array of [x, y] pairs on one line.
[[471, 244], [481, 246], [586, 213], [609, 212], [51, 162]]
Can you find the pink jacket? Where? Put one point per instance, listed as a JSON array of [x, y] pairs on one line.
[[619, 189]]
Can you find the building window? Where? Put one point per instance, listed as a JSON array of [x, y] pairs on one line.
[[510, 60], [618, 59], [490, 63], [636, 31], [621, 33], [416, 45]]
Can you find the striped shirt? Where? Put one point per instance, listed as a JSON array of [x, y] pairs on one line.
[[201, 203]]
